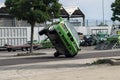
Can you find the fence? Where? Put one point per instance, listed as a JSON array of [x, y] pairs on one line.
[[18, 35], [90, 22], [13, 35], [5, 22]]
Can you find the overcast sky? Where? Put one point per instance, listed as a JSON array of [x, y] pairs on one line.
[[91, 8]]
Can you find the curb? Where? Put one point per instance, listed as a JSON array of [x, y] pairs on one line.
[[115, 61]]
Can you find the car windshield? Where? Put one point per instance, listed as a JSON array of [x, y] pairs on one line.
[[75, 34]]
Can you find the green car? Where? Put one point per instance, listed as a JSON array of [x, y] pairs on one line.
[[46, 43], [114, 38], [64, 38], [102, 37]]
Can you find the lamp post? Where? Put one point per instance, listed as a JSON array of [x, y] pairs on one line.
[[52, 16], [103, 11]]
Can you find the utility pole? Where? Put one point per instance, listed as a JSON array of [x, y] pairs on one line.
[[52, 17], [103, 11]]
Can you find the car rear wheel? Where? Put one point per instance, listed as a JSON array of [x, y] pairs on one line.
[[56, 54]]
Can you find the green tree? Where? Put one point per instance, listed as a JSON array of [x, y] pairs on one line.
[[116, 10], [33, 11]]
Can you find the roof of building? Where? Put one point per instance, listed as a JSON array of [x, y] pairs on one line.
[[71, 12], [4, 13], [65, 12]]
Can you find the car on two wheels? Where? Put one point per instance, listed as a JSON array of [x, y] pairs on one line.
[[64, 38]]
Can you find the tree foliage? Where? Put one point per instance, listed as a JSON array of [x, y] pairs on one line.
[[116, 10], [33, 11]]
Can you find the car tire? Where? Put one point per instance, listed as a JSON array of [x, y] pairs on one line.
[[56, 54], [68, 55], [44, 31], [9, 49]]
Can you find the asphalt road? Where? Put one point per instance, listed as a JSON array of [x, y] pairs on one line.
[[49, 58]]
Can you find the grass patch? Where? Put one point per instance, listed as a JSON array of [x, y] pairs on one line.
[[102, 61]]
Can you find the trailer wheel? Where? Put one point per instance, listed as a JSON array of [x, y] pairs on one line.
[[9, 49], [27, 49], [23, 49], [56, 54]]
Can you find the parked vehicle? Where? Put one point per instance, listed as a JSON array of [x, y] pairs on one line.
[[64, 38], [3, 48], [114, 38], [24, 47], [46, 43], [102, 37], [89, 40]]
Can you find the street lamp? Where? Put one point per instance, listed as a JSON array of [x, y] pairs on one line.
[[103, 11], [52, 13]]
